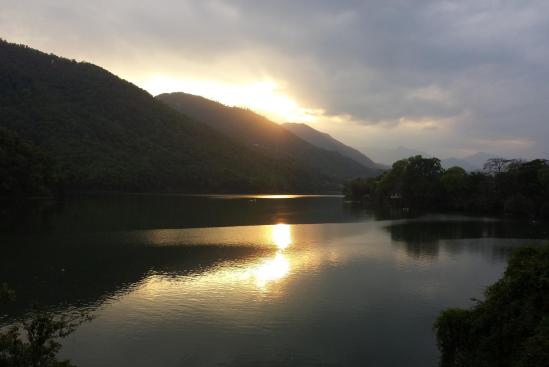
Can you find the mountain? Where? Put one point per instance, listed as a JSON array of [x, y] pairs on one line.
[[388, 156], [478, 159], [457, 162], [325, 141], [104, 133], [263, 136], [469, 163]]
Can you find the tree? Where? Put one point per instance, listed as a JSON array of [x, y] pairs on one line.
[[543, 178], [421, 182], [454, 183], [24, 168], [6, 294], [360, 189], [511, 187], [519, 206], [35, 341], [392, 181], [510, 328], [453, 179], [496, 165]]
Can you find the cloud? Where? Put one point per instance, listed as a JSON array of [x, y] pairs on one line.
[[456, 73]]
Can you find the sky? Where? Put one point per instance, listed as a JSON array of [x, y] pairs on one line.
[[448, 78]]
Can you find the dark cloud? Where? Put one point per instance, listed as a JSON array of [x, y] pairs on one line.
[[480, 64]]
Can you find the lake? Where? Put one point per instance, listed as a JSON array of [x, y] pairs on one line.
[[175, 280]]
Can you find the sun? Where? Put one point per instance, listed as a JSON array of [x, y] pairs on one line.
[[265, 97]]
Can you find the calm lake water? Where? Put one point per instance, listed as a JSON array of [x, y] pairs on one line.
[[248, 281]]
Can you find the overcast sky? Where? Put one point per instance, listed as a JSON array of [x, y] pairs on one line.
[[449, 78]]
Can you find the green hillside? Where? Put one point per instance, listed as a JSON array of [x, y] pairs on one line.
[[104, 133], [24, 169], [325, 141], [266, 137]]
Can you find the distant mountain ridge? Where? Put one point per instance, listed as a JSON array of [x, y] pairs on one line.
[[259, 134], [457, 162], [325, 141], [104, 133], [473, 162], [388, 156]]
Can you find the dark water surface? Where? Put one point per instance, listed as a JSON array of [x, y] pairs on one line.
[[248, 281]]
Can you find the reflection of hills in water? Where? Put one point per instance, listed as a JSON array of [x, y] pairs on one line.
[[67, 276], [86, 269], [93, 251], [131, 212], [425, 238]]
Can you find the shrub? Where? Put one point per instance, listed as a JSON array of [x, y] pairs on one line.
[[510, 328]]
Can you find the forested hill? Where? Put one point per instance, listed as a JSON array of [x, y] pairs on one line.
[[104, 133], [264, 136], [325, 141]]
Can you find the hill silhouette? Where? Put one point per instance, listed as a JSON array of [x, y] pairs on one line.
[[265, 137], [325, 141], [104, 133]]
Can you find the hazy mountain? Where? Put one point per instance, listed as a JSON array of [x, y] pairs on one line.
[[478, 159], [264, 136], [325, 141], [388, 156], [453, 162], [104, 133], [469, 163]]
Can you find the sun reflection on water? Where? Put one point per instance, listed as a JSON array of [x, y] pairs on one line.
[[271, 270], [262, 273], [282, 236], [277, 268], [285, 252]]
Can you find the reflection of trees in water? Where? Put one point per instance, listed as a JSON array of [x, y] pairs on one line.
[[58, 278], [28, 217], [131, 212], [425, 239], [288, 358]]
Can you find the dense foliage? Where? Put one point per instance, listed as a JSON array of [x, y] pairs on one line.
[[34, 342], [513, 187], [24, 168], [104, 133], [6, 294], [510, 328]]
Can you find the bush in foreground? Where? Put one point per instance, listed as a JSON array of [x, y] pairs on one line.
[[35, 342], [510, 327]]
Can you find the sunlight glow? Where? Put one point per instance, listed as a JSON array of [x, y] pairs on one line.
[[264, 272], [264, 97], [282, 236], [272, 270]]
